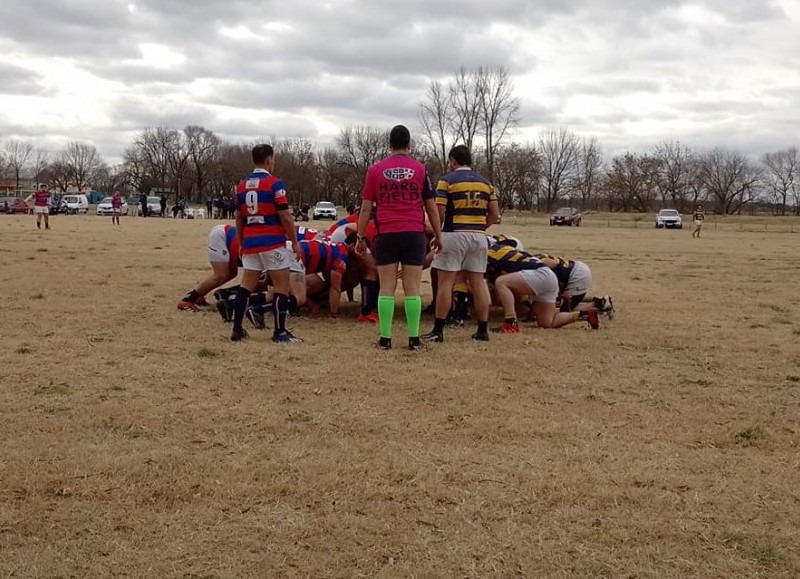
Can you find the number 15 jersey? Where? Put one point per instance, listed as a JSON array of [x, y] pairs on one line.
[[465, 196], [259, 197]]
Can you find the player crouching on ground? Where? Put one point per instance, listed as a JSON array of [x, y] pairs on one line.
[[223, 255], [574, 281], [324, 267], [516, 275]]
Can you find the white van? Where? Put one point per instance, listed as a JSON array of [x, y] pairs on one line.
[[75, 203]]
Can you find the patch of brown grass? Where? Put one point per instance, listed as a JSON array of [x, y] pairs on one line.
[[139, 441]]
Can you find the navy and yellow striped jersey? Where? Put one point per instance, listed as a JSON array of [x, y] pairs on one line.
[[560, 266], [466, 196], [505, 259]]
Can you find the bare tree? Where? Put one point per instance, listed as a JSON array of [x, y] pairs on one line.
[[730, 179], [631, 181], [782, 176], [17, 155], [558, 150], [517, 172], [465, 97], [436, 120], [588, 165], [675, 182], [360, 147], [83, 161], [39, 163], [498, 107], [233, 163], [295, 163], [111, 178], [59, 174], [148, 159], [202, 147]]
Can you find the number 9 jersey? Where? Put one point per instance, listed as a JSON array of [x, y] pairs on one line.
[[259, 198]]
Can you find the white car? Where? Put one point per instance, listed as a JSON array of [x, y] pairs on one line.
[[668, 218], [106, 208], [325, 210], [75, 203]]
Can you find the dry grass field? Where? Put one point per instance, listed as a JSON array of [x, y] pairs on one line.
[[138, 441]]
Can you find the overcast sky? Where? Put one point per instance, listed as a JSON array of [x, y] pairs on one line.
[[630, 72]]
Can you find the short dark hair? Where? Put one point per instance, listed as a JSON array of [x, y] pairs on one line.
[[399, 138], [461, 155], [261, 153]]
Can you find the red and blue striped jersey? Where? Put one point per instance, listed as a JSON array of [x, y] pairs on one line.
[[305, 233], [232, 243], [259, 198], [324, 257], [341, 223]]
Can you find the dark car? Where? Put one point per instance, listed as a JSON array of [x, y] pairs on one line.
[[57, 204], [12, 205], [566, 216]]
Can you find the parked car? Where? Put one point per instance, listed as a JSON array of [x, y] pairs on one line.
[[153, 206], [13, 205], [75, 204], [325, 210], [566, 216], [106, 208], [669, 218]]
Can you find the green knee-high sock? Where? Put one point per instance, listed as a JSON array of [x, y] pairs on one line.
[[386, 315], [413, 314]]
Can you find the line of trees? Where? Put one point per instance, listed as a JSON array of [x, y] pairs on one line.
[[476, 107]]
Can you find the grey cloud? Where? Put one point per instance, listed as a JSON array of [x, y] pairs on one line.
[[137, 112], [16, 80]]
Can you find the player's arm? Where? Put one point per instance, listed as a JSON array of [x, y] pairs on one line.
[[367, 198], [434, 209], [239, 228], [363, 218], [493, 209]]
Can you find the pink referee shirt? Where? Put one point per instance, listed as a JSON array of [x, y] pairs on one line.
[[399, 186]]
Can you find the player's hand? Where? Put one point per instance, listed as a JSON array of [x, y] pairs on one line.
[[298, 251], [361, 247], [436, 245]]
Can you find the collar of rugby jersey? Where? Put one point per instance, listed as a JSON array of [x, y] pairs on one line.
[[260, 170], [463, 168]]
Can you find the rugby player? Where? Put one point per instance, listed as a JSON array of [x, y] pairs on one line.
[[264, 224], [223, 255], [467, 205], [41, 206], [517, 274], [574, 281]]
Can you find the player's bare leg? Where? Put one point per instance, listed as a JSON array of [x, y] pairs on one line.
[[482, 300]]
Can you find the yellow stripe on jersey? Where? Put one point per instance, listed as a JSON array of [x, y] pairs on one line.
[[465, 195]]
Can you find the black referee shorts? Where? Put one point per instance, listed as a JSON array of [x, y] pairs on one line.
[[406, 248]]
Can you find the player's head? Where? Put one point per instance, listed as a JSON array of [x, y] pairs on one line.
[[42, 186], [460, 156], [399, 138], [262, 154]]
